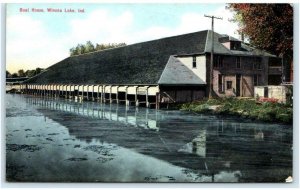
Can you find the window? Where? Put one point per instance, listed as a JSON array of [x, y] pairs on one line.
[[257, 63], [218, 62], [215, 62], [229, 85], [255, 80], [194, 62], [235, 45], [220, 83], [238, 62], [259, 66]]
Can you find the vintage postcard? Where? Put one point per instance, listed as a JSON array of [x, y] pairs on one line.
[[149, 93]]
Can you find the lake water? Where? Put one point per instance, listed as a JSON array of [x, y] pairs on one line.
[[58, 140]]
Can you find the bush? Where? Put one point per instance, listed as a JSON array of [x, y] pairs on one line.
[[266, 111]]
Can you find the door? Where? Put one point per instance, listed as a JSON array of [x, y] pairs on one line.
[[266, 92], [238, 85]]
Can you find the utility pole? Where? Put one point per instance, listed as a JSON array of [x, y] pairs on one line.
[[212, 54]]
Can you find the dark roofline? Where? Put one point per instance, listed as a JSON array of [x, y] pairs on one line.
[[182, 84], [12, 78], [228, 54], [189, 54], [64, 84], [158, 39]]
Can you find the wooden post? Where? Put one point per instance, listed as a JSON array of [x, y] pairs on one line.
[[50, 91], [87, 92], [147, 101], [77, 95], [82, 93], [117, 94], [126, 98], [103, 94], [135, 97], [59, 90], [93, 99], [110, 90], [98, 93], [70, 91], [56, 90], [157, 100], [67, 92], [45, 89], [73, 93]]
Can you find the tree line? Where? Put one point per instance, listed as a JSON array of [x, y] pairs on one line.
[[90, 47], [22, 73]]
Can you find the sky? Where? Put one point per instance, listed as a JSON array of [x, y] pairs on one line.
[[41, 39]]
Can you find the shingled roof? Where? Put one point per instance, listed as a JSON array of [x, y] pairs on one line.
[[176, 73], [141, 63]]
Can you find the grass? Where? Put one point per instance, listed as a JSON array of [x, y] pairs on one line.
[[246, 108]]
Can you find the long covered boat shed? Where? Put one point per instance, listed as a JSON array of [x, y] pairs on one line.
[[169, 70]]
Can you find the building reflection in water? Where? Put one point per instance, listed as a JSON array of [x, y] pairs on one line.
[[132, 116]]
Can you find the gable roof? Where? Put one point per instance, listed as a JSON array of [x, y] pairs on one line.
[[219, 48], [177, 73]]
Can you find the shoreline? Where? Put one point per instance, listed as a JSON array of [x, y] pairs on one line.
[[249, 109]]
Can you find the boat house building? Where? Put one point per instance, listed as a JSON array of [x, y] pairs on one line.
[[153, 73]]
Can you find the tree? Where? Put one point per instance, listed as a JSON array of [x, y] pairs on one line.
[[89, 47], [21, 73], [8, 75], [72, 51], [14, 75], [38, 70], [30, 73], [100, 47], [267, 26]]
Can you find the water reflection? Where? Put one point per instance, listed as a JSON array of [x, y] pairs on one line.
[[207, 144], [112, 112]]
